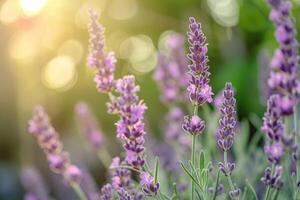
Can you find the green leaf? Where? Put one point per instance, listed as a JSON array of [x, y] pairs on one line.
[[202, 160], [189, 174], [156, 170], [252, 193], [175, 192], [216, 186], [194, 172]]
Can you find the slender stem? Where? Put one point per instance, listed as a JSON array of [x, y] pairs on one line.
[[276, 195], [126, 167], [104, 157], [77, 189], [296, 193], [193, 152], [296, 141]]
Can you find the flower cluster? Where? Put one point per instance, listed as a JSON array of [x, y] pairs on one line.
[[273, 128], [89, 125], [130, 127], [284, 77], [170, 70], [227, 122], [148, 183], [103, 62], [48, 140], [199, 90], [106, 192], [273, 179], [193, 125]]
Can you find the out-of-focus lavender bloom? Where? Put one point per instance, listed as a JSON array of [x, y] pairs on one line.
[[219, 188], [33, 184], [170, 70], [199, 90], [226, 131], [30, 196], [218, 100], [273, 180], [264, 73], [193, 125], [48, 140], [130, 127], [89, 125], [274, 152], [174, 120], [106, 192], [89, 186], [103, 62], [272, 122], [284, 77], [148, 184]]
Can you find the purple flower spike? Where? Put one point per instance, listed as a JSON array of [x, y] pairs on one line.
[[193, 125], [124, 195], [48, 140], [199, 90], [226, 132], [274, 152], [89, 126], [130, 127], [148, 183], [284, 79], [103, 62], [227, 169], [272, 122], [170, 70]]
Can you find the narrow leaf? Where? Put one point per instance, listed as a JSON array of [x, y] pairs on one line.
[[216, 186], [202, 160], [156, 170], [189, 174], [251, 190]]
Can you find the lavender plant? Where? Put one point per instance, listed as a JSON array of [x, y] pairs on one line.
[[134, 176]]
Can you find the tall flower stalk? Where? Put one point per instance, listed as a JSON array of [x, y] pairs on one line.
[[198, 89], [48, 140], [273, 128], [92, 131], [284, 77], [225, 135]]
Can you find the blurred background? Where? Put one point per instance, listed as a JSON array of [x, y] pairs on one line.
[[44, 45]]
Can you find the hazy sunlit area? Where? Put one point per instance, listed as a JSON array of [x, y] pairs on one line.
[[43, 61]]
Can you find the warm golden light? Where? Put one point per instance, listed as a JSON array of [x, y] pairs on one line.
[[32, 7], [60, 73], [9, 12]]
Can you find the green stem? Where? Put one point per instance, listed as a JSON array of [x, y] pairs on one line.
[[193, 153], [296, 140], [296, 194], [276, 195], [126, 167], [77, 189], [104, 157]]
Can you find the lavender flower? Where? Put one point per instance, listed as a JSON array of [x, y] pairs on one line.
[[103, 62], [121, 178], [148, 184], [272, 122], [199, 90], [89, 125], [33, 184], [284, 79], [170, 70], [124, 195], [273, 180], [48, 140], [274, 152], [226, 132], [193, 125], [106, 192], [130, 127]]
